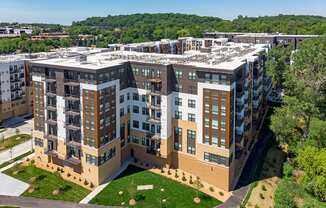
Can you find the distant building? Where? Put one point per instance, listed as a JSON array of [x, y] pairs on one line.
[[15, 80], [273, 39]]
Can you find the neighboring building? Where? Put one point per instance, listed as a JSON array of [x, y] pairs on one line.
[[272, 39], [15, 31], [167, 46], [15, 79], [198, 112]]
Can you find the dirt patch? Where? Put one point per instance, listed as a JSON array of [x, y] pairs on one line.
[[263, 194]]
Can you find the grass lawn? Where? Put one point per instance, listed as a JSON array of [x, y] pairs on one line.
[[13, 141], [176, 194], [45, 183]]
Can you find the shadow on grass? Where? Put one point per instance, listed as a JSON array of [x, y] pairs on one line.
[[130, 171]]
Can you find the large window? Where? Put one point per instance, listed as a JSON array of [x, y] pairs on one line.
[[135, 109], [178, 139], [178, 115], [191, 103], [191, 117], [191, 142], [178, 74], [178, 101], [192, 75], [135, 124], [216, 159]]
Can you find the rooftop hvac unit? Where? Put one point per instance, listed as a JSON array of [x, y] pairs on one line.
[[81, 58]]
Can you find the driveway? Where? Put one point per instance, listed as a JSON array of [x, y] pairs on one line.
[[15, 151], [11, 186]]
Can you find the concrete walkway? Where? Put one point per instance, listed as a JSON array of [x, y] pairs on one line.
[[27, 202], [16, 151], [11, 186], [17, 162], [98, 189]]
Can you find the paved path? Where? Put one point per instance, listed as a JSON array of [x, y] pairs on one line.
[[24, 126], [15, 151], [27, 202], [98, 189], [11, 186]]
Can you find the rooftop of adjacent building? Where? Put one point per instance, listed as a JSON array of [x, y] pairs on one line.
[[240, 34], [227, 57], [56, 53]]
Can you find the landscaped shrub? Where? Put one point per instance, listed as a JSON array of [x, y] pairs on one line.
[[162, 170], [139, 197], [221, 193], [283, 198], [176, 174], [190, 180], [91, 185], [85, 182], [169, 172], [261, 196], [287, 170], [263, 187], [211, 189], [184, 178]]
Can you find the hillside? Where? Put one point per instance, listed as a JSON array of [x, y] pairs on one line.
[[146, 27]]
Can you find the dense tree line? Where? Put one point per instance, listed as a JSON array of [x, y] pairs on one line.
[[147, 27], [25, 45], [300, 123]]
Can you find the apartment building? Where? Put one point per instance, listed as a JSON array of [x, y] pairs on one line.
[[16, 97], [198, 112], [272, 39], [167, 46]]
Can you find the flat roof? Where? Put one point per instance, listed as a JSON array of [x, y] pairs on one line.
[[226, 57]]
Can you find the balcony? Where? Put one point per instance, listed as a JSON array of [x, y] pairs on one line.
[[153, 136], [51, 152], [153, 120], [153, 151], [51, 121], [51, 137]]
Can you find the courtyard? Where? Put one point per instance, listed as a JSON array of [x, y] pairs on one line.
[[158, 191]]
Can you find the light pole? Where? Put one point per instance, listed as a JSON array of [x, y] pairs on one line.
[[31, 139]]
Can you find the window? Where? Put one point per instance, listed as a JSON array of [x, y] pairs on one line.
[[191, 103], [178, 74], [214, 140], [145, 126], [135, 96], [191, 117], [216, 159], [191, 142], [145, 111], [178, 88], [192, 75], [122, 98], [135, 109], [178, 101], [177, 139], [214, 124], [145, 98], [38, 142], [178, 115], [215, 109], [90, 159], [122, 112], [135, 124]]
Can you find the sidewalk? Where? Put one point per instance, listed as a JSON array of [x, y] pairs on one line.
[[15, 151], [42, 203], [91, 195]]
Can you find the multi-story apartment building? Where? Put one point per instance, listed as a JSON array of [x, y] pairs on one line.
[[198, 111], [15, 79], [273, 39]]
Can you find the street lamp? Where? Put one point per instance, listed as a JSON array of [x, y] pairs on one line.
[[32, 140]]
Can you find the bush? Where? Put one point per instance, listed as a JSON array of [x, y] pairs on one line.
[[176, 175], [261, 196], [221, 193], [211, 189], [287, 170], [283, 198], [263, 188], [184, 178], [169, 172]]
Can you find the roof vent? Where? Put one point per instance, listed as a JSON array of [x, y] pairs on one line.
[[81, 58]]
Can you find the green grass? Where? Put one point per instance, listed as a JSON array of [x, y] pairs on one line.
[[176, 194], [13, 141], [46, 183], [15, 159]]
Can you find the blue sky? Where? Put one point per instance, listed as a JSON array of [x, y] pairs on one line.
[[66, 11]]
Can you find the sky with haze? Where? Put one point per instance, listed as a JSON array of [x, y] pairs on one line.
[[66, 11]]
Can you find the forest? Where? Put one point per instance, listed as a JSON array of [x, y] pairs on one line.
[[149, 27]]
